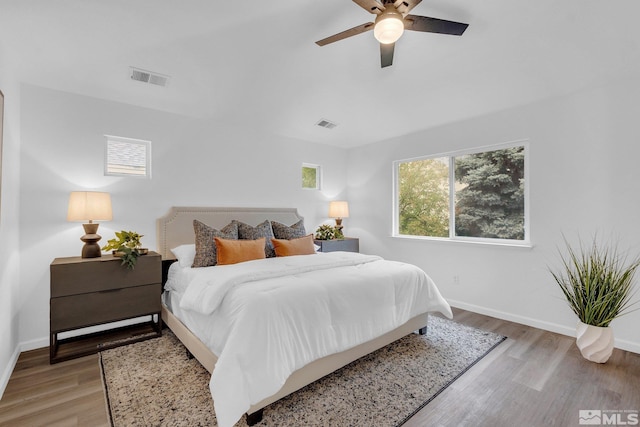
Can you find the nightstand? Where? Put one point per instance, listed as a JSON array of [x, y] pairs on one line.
[[348, 244], [95, 291]]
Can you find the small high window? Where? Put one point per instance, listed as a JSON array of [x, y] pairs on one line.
[[311, 176], [127, 157]]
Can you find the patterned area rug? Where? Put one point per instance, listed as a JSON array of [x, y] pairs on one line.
[[152, 383]]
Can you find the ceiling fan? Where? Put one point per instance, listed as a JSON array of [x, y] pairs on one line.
[[391, 21]]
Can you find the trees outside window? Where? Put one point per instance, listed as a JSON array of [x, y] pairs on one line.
[[477, 195], [423, 197], [311, 176]]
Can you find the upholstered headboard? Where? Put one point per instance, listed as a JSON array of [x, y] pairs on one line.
[[176, 227]]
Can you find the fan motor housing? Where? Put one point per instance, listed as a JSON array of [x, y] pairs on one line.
[[389, 25]]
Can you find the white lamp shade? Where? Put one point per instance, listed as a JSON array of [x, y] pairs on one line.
[[338, 209], [89, 206], [389, 29]]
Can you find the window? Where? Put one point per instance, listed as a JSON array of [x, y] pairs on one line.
[[127, 157], [310, 176], [476, 195]]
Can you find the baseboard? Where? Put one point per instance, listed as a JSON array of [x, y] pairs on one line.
[[34, 344], [540, 324], [23, 346], [9, 370], [627, 345]]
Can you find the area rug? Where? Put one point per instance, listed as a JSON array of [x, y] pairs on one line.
[[153, 383]]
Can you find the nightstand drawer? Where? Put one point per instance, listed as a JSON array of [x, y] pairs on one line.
[[76, 311], [348, 244], [76, 275]]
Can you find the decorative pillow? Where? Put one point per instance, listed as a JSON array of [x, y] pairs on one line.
[[185, 254], [300, 246], [205, 243], [235, 251], [281, 231], [247, 232]]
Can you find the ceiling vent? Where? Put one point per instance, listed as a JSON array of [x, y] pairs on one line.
[[145, 76], [326, 124]]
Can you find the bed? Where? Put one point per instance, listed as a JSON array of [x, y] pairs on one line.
[[259, 378]]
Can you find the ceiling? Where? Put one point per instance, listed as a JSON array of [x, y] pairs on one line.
[[255, 63]]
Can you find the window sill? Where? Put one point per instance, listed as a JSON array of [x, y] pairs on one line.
[[509, 244]]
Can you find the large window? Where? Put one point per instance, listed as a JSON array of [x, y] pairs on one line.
[[476, 195]]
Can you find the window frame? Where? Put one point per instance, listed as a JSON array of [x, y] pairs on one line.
[[451, 155], [133, 141], [318, 169]]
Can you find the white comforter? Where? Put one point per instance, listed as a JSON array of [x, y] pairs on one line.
[[284, 313]]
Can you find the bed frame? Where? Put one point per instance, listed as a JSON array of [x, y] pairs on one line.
[[176, 228]]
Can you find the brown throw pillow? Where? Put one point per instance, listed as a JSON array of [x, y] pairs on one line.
[[235, 251], [206, 246], [299, 246]]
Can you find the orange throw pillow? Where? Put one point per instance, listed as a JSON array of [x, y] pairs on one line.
[[235, 251], [299, 246]]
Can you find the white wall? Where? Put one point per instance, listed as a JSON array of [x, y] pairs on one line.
[[584, 178], [195, 163], [9, 228]]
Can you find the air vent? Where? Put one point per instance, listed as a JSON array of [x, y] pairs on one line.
[[326, 124], [145, 76]]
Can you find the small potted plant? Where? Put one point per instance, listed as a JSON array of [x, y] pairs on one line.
[[598, 285], [328, 232], [126, 245]]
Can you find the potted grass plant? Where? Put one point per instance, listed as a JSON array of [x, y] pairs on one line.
[[597, 282]]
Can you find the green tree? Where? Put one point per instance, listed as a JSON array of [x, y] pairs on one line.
[[309, 177], [490, 198], [424, 198]]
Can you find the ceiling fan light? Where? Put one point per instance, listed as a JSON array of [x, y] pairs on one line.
[[389, 29]]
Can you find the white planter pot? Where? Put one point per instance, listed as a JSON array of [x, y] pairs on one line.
[[595, 343]]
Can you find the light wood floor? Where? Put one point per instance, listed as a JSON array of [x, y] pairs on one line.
[[534, 378]]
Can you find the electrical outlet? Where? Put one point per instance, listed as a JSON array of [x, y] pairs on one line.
[[456, 280]]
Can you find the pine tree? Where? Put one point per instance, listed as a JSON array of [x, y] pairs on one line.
[[490, 195]]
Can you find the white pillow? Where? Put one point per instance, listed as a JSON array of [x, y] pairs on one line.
[[185, 254]]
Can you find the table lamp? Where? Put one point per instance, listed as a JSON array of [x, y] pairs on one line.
[[338, 209], [90, 206]]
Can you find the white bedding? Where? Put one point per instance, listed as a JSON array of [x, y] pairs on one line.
[[265, 319]]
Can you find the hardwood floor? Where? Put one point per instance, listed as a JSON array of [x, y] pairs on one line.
[[65, 394], [534, 378]]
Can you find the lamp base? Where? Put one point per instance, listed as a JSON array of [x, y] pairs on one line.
[[339, 225], [91, 248]]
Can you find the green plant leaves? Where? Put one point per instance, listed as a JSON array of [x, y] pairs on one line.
[[597, 282], [128, 243], [328, 232]]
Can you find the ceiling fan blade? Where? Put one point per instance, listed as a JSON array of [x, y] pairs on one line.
[[347, 33], [434, 25], [386, 54], [405, 6], [371, 6]]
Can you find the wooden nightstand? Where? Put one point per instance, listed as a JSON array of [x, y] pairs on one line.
[[94, 291], [348, 244]]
